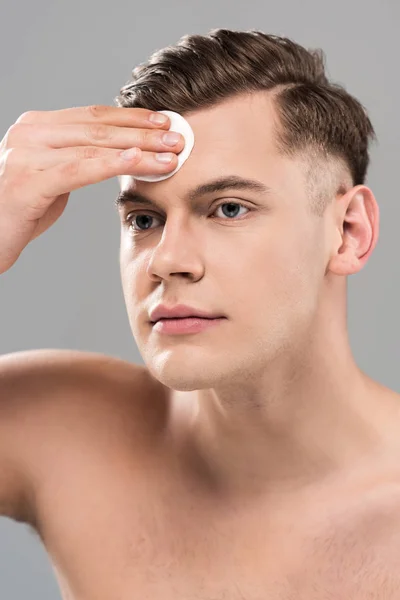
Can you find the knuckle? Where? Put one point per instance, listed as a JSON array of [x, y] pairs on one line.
[[97, 132], [28, 117], [151, 138], [144, 138], [14, 134], [97, 111], [84, 152], [10, 157]]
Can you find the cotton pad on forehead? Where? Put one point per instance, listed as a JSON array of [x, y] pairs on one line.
[[179, 124]]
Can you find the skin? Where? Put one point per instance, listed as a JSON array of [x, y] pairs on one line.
[[272, 396], [251, 460]]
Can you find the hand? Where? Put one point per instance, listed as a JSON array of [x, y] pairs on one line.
[[47, 154]]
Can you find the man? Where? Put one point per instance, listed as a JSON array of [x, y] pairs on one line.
[[251, 458]]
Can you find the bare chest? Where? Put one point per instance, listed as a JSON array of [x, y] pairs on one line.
[[109, 539]]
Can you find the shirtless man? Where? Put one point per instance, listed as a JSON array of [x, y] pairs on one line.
[[251, 459]]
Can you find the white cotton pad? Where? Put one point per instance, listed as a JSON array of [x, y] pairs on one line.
[[179, 124]]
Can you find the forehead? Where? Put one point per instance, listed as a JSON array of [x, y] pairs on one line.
[[235, 136], [243, 123]]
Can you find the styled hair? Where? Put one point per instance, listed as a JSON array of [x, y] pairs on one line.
[[319, 121]]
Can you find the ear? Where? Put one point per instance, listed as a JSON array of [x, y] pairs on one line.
[[357, 230]]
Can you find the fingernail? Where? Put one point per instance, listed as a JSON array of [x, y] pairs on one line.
[[158, 118], [164, 157], [171, 138]]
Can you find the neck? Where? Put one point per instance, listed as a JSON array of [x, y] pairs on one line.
[[305, 417]]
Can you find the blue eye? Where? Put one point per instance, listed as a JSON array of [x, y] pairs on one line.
[[233, 208]]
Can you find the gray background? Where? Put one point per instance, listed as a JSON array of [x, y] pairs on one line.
[[65, 291]]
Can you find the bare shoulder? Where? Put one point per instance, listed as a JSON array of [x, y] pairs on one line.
[[52, 401], [55, 370], [56, 378], [50, 362]]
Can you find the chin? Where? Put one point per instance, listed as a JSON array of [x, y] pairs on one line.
[[185, 377]]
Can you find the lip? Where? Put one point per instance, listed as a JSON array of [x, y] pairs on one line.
[[186, 326], [161, 311]]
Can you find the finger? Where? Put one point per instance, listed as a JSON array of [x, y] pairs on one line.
[[41, 159], [62, 136], [96, 113], [70, 176]]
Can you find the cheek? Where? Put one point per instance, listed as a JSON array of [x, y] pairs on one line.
[[132, 284], [284, 274], [301, 277]]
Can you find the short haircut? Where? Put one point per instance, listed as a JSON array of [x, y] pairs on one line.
[[319, 121]]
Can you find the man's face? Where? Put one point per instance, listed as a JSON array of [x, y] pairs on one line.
[[261, 265]]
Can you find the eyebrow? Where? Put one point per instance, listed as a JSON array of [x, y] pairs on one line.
[[210, 187]]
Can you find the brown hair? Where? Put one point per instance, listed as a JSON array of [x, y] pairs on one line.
[[319, 121]]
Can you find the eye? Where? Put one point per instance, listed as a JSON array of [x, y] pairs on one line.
[[232, 209]]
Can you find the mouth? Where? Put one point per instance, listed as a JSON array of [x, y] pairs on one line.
[[184, 325], [183, 318], [186, 318]]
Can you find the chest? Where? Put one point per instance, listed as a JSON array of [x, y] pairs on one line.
[[110, 539]]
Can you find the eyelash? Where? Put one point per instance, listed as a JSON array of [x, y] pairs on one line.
[[134, 214]]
